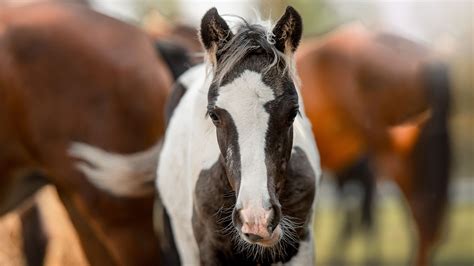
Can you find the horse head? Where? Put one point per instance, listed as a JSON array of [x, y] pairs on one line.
[[253, 101]]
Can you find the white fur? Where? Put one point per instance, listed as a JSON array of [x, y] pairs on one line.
[[191, 146], [244, 99], [304, 139], [120, 175]]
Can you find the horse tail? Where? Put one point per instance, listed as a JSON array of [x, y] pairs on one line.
[[432, 152], [34, 236], [175, 56], [130, 175]]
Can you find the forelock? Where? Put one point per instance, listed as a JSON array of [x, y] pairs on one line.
[[249, 39]]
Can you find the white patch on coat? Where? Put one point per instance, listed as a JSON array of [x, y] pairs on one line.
[[190, 146], [244, 99], [303, 138]]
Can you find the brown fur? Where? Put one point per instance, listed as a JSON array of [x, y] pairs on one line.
[[70, 74], [365, 94]]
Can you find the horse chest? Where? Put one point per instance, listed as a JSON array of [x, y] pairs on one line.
[[212, 215]]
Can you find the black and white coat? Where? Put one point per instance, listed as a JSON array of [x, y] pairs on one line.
[[207, 171]]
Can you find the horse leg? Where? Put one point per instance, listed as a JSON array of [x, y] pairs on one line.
[[162, 225], [18, 185], [119, 231], [96, 253], [34, 238], [185, 241], [367, 208], [361, 174], [368, 182], [347, 225]]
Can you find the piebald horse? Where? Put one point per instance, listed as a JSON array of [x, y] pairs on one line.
[[239, 167], [69, 74]]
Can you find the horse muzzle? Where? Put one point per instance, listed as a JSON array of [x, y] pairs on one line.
[[259, 225]]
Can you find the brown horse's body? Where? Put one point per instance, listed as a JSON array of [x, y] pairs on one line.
[[356, 86], [368, 93], [70, 74]]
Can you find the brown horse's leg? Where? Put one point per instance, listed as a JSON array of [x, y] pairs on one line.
[[34, 238], [119, 233], [18, 182], [19, 175], [95, 251], [361, 174], [17, 186]]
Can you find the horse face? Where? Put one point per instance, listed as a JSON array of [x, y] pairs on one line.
[[255, 133], [253, 103]]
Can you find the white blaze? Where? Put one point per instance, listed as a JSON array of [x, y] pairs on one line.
[[244, 98]]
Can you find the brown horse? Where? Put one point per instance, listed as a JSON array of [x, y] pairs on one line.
[[10, 3], [386, 97], [70, 74]]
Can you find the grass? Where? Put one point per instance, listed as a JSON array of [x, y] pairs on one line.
[[392, 243]]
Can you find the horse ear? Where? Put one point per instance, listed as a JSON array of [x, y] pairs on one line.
[[214, 31], [287, 32]]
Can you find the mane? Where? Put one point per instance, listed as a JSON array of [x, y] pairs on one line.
[[249, 38]]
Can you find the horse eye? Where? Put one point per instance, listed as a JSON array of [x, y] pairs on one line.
[[293, 115], [214, 117]]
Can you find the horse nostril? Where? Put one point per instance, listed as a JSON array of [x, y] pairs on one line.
[[253, 238]]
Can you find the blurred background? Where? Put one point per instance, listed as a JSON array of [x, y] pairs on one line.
[[443, 25]]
